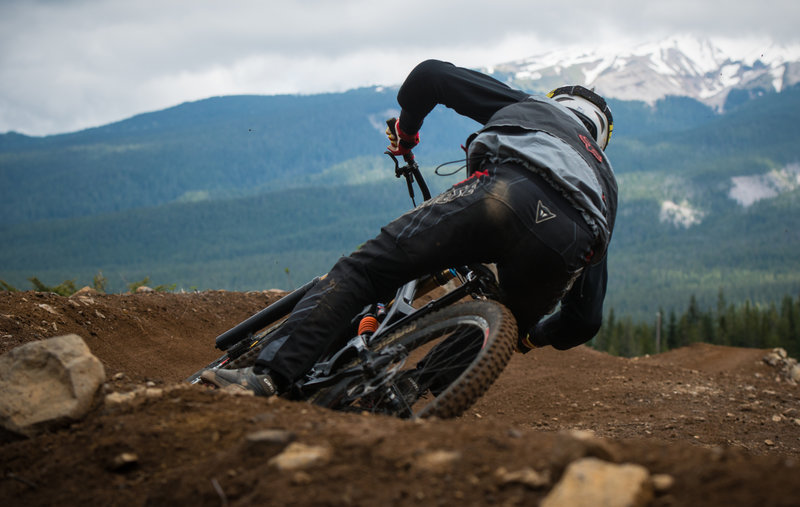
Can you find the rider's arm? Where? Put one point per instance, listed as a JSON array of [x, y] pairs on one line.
[[466, 91], [581, 313]]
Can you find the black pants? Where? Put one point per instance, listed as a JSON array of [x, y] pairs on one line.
[[503, 214]]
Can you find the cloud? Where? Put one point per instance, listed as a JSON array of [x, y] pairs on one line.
[[71, 64]]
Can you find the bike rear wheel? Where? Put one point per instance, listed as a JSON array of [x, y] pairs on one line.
[[438, 365]]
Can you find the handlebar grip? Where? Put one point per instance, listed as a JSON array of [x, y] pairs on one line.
[[392, 124]]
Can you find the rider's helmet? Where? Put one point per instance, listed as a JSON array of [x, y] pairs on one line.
[[590, 108]]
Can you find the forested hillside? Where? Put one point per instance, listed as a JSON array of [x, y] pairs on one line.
[[216, 148], [238, 244], [776, 324]]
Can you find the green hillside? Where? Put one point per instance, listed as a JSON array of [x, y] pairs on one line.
[[216, 148], [247, 244], [240, 244]]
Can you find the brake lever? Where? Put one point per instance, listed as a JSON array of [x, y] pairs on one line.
[[407, 171], [410, 170]]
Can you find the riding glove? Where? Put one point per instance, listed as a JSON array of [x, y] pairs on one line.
[[400, 143]]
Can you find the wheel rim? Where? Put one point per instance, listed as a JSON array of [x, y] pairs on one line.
[[423, 366]]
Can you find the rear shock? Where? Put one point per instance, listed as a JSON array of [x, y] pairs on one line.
[[368, 325], [370, 322]]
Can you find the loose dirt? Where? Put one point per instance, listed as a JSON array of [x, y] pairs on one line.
[[719, 420]]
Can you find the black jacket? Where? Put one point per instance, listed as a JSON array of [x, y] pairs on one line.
[[545, 137]]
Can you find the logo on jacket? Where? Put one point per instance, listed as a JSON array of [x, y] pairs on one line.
[[543, 214], [591, 149]]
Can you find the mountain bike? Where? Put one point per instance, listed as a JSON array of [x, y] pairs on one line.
[[431, 351]]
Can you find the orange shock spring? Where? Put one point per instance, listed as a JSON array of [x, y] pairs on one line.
[[368, 324]]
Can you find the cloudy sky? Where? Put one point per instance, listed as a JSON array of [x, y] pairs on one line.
[[72, 64]]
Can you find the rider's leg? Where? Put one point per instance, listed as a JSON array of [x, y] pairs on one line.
[[438, 234], [475, 221]]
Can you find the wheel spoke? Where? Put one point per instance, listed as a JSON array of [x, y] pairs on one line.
[[449, 359]]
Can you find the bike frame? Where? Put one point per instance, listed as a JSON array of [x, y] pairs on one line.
[[476, 282]]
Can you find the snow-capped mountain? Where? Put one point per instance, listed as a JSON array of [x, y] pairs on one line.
[[680, 65]]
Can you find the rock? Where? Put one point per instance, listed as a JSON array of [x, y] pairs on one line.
[[591, 482], [258, 441], [526, 476], [788, 367], [437, 461], [116, 398], [153, 392], [514, 433], [573, 445], [144, 290], [299, 456], [662, 482], [124, 462], [86, 291], [137, 396], [48, 383], [48, 308]]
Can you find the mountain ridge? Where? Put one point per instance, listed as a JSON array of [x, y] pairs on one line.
[[706, 69], [681, 65]]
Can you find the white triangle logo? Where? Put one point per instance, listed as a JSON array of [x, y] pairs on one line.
[[543, 214]]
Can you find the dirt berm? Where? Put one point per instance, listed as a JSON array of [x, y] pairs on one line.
[[722, 423]]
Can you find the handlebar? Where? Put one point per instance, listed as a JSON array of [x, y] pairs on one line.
[[410, 171]]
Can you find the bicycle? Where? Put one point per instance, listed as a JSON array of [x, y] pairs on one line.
[[433, 359]]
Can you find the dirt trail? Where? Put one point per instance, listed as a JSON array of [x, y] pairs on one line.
[[717, 419]]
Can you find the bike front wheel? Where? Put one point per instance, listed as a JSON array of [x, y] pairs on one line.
[[438, 365]]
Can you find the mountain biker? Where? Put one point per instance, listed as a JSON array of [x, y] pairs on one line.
[[539, 201]]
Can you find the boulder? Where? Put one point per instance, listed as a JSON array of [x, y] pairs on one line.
[[788, 367], [47, 383], [591, 482]]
